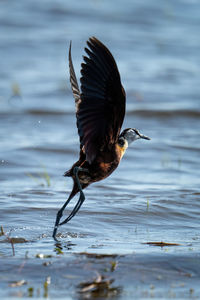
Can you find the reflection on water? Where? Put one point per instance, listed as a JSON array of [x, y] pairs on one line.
[[154, 194]]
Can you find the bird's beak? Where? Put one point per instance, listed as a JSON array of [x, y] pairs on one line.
[[142, 136]]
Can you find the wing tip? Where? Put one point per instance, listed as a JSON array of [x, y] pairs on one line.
[[93, 39], [70, 49]]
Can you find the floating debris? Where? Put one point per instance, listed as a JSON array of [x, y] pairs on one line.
[[96, 255], [17, 240], [47, 263], [162, 244], [18, 283], [13, 240], [99, 287], [41, 255]]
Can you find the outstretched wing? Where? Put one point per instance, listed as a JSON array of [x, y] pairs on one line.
[[73, 80], [101, 106]]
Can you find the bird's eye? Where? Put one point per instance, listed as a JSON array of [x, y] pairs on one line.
[[121, 141]]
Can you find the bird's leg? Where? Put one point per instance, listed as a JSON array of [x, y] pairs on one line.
[[77, 206], [81, 198], [59, 216]]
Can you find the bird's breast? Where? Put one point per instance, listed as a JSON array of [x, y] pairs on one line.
[[104, 164], [103, 168]]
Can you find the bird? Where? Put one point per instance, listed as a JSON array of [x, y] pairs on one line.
[[100, 109]]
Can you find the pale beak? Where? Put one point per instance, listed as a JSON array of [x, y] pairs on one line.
[[142, 136]]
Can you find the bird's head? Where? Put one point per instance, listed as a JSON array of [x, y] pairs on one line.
[[130, 135]]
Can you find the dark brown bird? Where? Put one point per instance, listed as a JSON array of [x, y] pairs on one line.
[[100, 110]]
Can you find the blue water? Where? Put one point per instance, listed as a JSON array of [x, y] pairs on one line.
[[154, 195]]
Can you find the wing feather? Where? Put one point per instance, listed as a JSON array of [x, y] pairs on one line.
[[73, 80], [101, 103]]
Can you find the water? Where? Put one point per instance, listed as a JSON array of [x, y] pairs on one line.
[[154, 194]]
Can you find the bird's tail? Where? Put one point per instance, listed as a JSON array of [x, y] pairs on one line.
[[68, 173]]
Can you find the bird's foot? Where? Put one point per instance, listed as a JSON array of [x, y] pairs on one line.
[[54, 233], [57, 223]]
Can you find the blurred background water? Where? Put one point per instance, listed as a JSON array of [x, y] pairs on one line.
[[154, 194]]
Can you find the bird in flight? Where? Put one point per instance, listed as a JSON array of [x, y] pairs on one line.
[[100, 109]]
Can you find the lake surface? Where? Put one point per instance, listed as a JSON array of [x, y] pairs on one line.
[[153, 196]]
